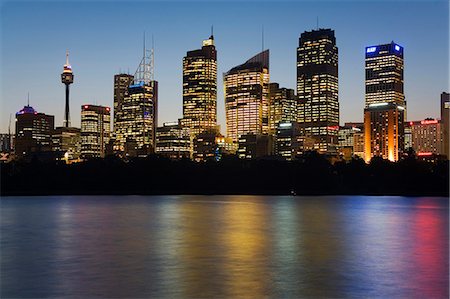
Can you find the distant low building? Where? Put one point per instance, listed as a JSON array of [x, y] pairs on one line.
[[67, 142], [288, 140], [351, 140], [205, 147], [253, 146], [173, 141]]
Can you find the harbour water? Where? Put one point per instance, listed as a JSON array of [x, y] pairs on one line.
[[224, 247]]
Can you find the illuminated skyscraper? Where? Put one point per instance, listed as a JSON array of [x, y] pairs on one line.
[[121, 84], [247, 97], [33, 132], [283, 106], [426, 136], [136, 122], [385, 107], [317, 88], [67, 79], [445, 118], [200, 88], [95, 130]]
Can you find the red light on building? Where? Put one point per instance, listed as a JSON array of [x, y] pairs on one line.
[[421, 154], [428, 122], [411, 123], [107, 108], [333, 128], [86, 106]]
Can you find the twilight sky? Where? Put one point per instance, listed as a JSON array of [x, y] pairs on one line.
[[105, 37]]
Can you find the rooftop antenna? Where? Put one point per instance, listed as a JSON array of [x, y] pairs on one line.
[[28, 99], [317, 23], [144, 72], [212, 30]]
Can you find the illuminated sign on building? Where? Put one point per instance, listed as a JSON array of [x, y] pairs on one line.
[[428, 122], [371, 49]]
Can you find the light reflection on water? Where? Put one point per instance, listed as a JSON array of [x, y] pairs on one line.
[[224, 246]]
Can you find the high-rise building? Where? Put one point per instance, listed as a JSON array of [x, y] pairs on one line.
[[173, 141], [317, 88], [385, 106], [247, 97], [33, 132], [200, 88], [135, 126], [426, 136], [445, 121], [282, 107], [67, 79], [95, 130], [121, 84]]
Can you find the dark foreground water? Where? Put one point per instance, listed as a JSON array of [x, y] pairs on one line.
[[224, 246]]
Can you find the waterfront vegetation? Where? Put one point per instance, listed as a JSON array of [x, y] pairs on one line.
[[310, 174]]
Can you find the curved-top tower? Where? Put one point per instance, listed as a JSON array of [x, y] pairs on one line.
[[67, 79]]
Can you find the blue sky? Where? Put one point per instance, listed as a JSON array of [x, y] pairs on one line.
[[105, 37]]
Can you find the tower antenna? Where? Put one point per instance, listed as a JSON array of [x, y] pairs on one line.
[[212, 30], [317, 22], [152, 62], [28, 99]]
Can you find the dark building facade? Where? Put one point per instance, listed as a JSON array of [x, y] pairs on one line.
[[385, 104], [445, 115], [317, 88], [33, 132], [200, 88], [253, 146]]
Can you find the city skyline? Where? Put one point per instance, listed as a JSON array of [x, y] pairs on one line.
[[39, 70]]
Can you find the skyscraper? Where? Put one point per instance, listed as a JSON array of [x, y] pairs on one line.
[[136, 122], [385, 106], [445, 118], [282, 107], [33, 132], [200, 88], [317, 88], [95, 130], [247, 97], [67, 79], [121, 84]]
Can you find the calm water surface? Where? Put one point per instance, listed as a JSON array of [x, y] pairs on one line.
[[224, 247]]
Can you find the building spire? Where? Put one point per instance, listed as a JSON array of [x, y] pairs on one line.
[[212, 32], [28, 99], [67, 57]]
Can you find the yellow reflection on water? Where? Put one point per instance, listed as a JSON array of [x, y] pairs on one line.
[[247, 242]]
